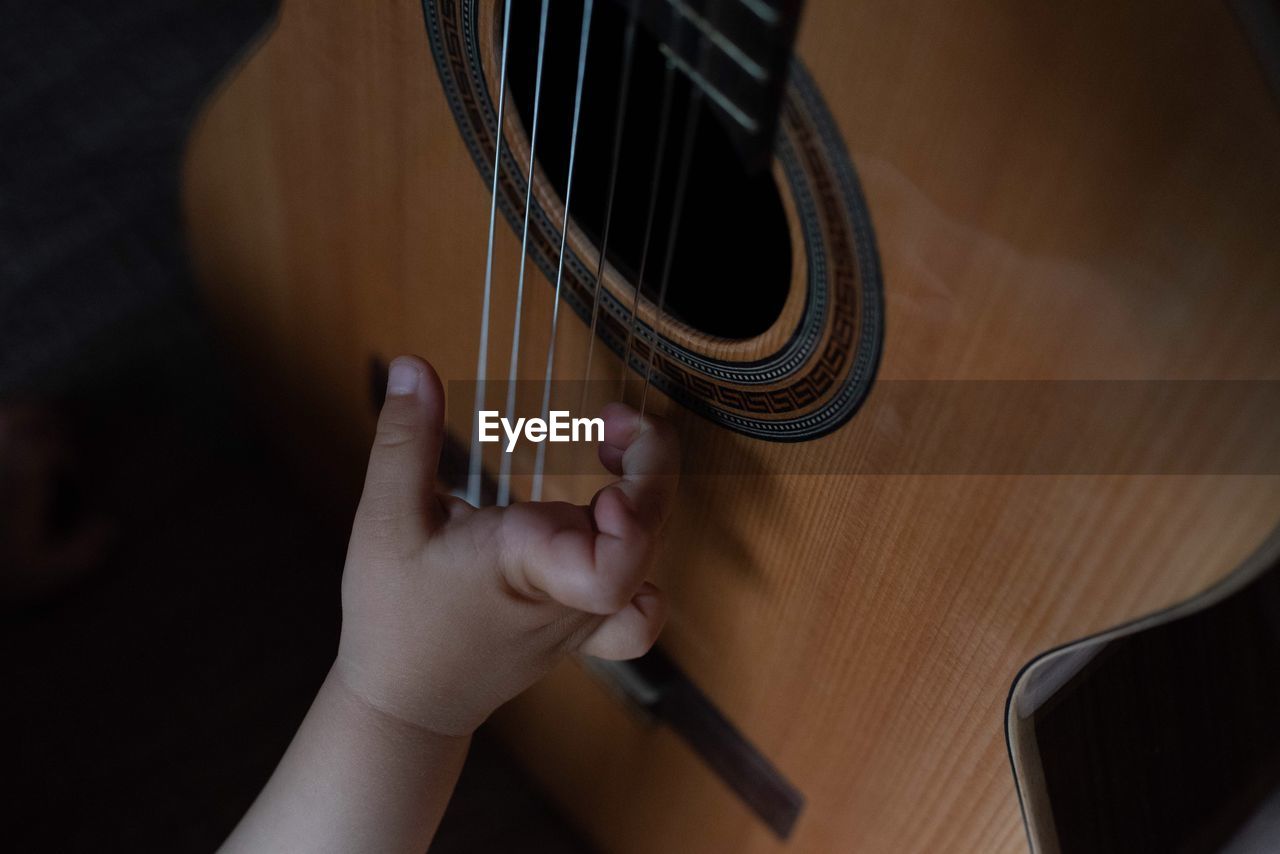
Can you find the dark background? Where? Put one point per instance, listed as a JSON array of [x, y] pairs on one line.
[[186, 599]]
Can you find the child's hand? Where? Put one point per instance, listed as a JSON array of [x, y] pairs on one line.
[[447, 613], [450, 611]]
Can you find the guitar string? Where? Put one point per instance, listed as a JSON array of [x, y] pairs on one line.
[[677, 208], [624, 90], [504, 476], [541, 457], [668, 83], [475, 461]]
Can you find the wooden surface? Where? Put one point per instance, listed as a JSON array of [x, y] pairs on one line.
[[1059, 191]]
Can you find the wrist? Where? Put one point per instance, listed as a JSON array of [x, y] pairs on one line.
[[377, 715]]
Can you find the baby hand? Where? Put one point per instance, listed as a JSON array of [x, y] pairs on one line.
[[448, 611]]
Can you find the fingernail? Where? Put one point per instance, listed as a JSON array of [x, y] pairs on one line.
[[402, 379]]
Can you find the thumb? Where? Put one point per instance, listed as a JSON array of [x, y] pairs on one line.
[[399, 486]]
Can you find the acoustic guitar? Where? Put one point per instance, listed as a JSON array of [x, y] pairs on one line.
[[968, 315]]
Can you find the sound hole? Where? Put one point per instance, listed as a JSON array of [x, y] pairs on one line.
[[731, 269]]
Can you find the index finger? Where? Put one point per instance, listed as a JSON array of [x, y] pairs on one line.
[[595, 559], [646, 454]]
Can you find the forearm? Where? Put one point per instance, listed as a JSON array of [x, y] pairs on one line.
[[353, 779]]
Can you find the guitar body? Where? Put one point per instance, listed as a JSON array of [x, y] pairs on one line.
[[1085, 191]]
